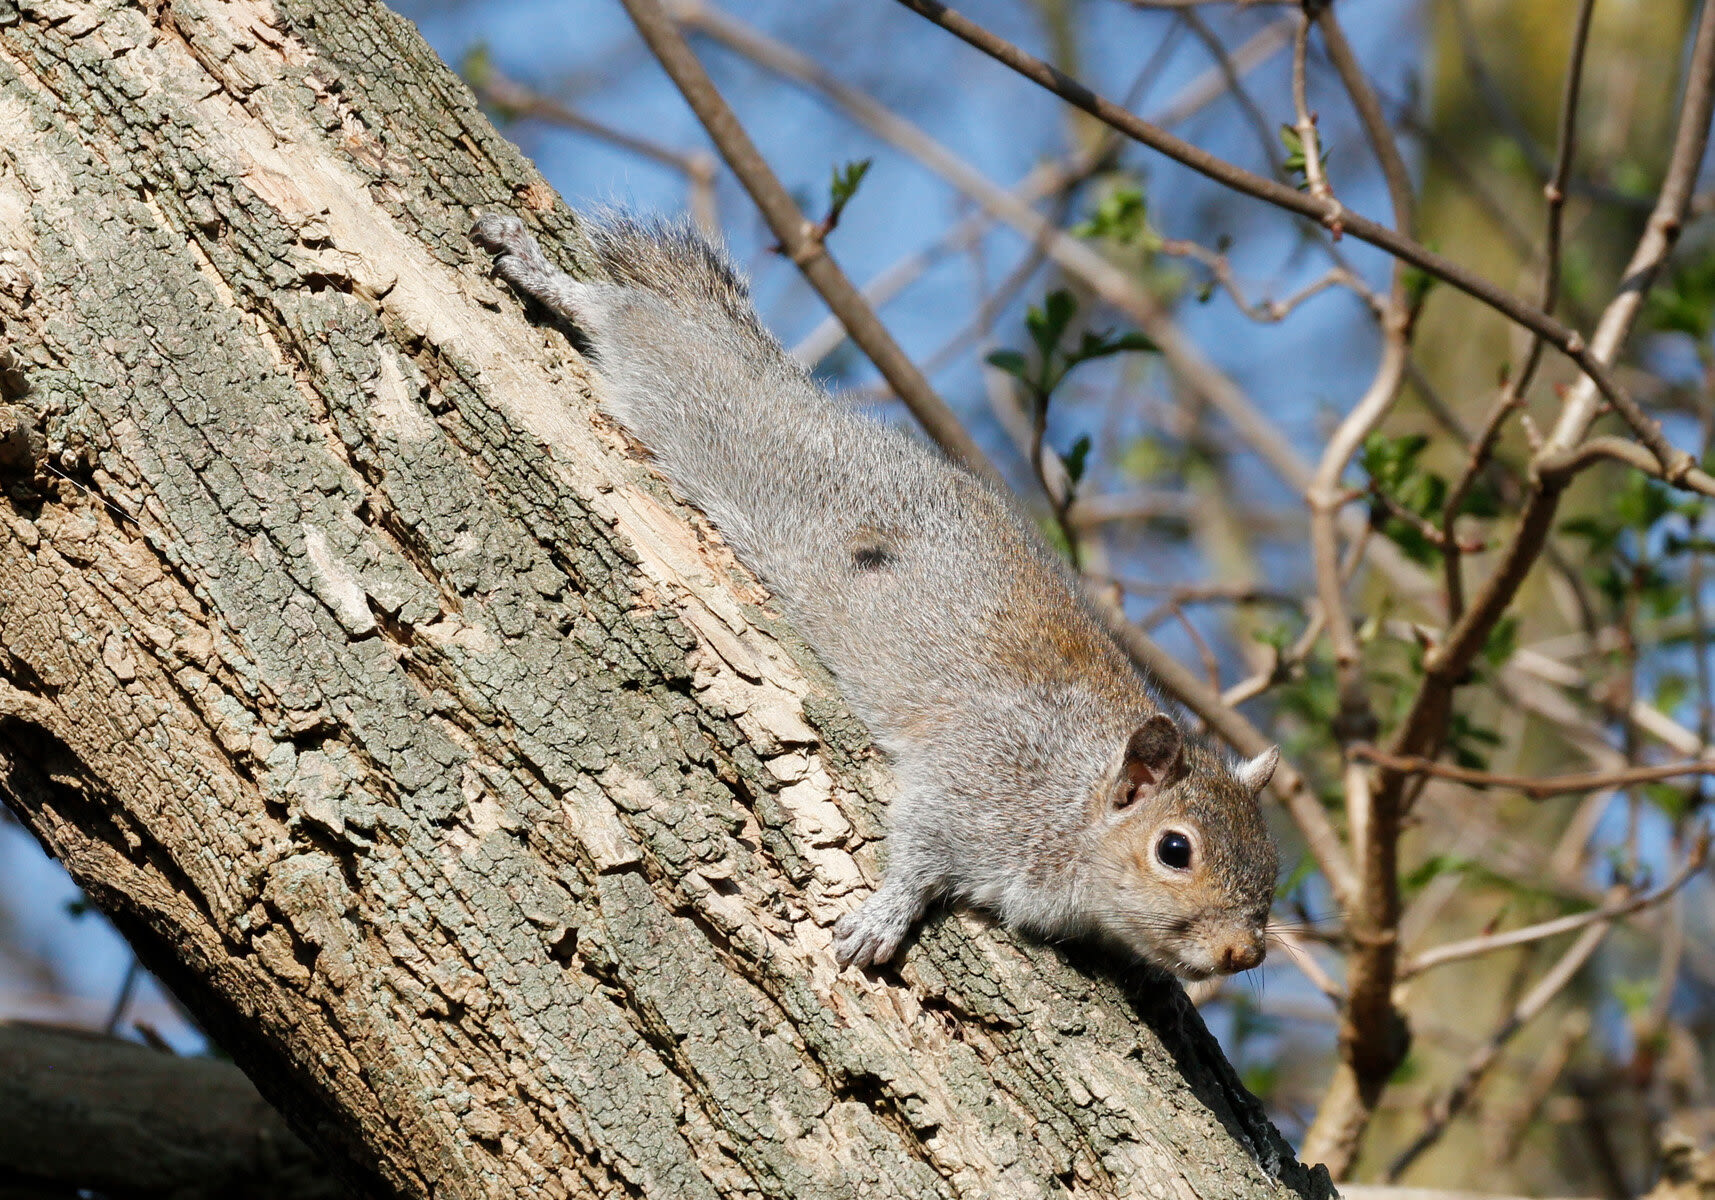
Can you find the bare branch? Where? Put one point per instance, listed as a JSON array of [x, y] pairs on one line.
[[1660, 234], [1371, 117], [1459, 1094], [1310, 145], [1306, 962], [1234, 78], [1622, 907], [1331, 213], [1535, 788], [1598, 449], [1266, 312]]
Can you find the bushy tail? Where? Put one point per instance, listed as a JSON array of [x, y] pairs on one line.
[[675, 261]]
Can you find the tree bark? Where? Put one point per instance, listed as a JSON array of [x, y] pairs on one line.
[[449, 770]]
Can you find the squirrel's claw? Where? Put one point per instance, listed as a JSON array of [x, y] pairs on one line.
[[871, 935]]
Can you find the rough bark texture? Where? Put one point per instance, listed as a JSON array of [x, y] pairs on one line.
[[445, 766]]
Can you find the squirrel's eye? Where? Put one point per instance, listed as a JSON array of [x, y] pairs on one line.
[[1174, 850]]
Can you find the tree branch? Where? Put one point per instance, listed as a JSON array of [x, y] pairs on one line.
[[1325, 211], [1623, 907], [84, 1111], [1535, 788]]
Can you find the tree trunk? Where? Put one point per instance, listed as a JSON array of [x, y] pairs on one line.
[[81, 1110], [448, 769]]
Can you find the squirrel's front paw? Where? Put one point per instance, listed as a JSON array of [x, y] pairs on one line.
[[872, 934]]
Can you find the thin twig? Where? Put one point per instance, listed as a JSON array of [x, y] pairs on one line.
[[1309, 144], [1331, 213], [1514, 390], [127, 989], [1373, 120], [1623, 906], [1510, 1124], [1266, 312], [1235, 85], [1306, 962], [514, 100], [1459, 1094], [1043, 180], [1593, 450], [1536, 788]]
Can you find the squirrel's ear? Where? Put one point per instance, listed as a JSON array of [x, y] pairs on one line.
[[1151, 753], [1254, 773]]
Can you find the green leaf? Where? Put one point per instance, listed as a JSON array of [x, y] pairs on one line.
[[1047, 325], [1261, 1079], [1077, 459], [1424, 494], [1147, 457], [1433, 867], [1301, 871], [844, 186], [1641, 502], [1674, 800], [1295, 158], [1390, 461], [1597, 530], [1100, 345], [477, 66], [1635, 995], [1410, 539], [1122, 217], [1463, 735], [1501, 642], [1481, 500], [1418, 284], [1685, 303], [1671, 690], [1010, 361]]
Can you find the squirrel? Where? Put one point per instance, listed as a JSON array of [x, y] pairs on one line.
[[1039, 775]]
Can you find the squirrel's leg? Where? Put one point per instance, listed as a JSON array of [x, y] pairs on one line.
[[914, 874], [521, 263]]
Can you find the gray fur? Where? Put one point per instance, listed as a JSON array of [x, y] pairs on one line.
[[957, 636]]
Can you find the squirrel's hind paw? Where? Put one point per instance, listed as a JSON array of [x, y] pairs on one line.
[[520, 259], [503, 233], [871, 935]]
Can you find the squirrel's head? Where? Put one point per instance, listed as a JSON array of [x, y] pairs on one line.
[[1185, 869]]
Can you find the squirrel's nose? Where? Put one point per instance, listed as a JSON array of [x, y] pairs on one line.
[[1241, 955]]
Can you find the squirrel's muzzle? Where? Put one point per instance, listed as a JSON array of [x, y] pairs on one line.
[[1241, 954]]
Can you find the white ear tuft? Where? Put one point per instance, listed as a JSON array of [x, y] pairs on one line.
[[1255, 773]]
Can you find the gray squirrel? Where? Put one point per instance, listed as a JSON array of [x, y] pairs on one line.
[[1039, 776]]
